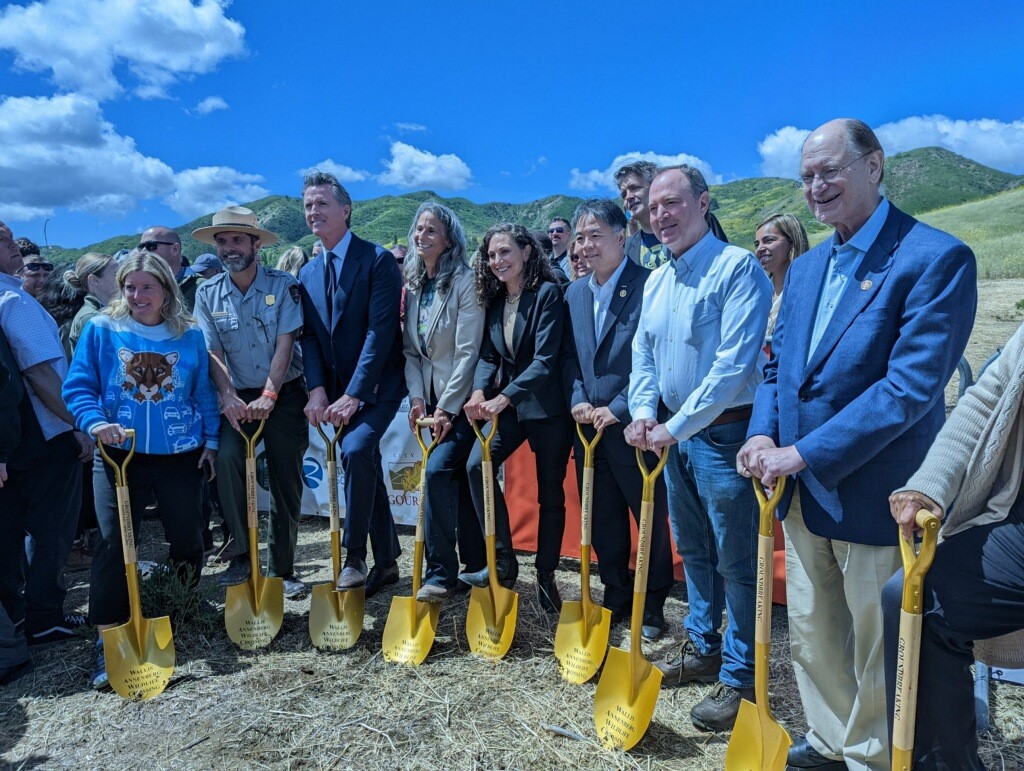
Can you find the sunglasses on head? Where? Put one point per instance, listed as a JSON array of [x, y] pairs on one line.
[[35, 267], [150, 246], [552, 231]]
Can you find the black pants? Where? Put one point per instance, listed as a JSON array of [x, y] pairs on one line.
[[285, 439], [175, 482], [618, 489], [973, 591], [449, 516], [551, 441], [39, 509]]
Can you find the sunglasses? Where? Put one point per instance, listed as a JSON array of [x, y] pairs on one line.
[[35, 267], [552, 231], [150, 246]]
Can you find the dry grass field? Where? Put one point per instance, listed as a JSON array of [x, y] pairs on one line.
[[291, 706]]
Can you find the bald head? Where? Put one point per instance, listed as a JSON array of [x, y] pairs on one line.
[[165, 243]]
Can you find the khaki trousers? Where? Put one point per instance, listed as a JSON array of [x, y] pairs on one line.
[[835, 624]]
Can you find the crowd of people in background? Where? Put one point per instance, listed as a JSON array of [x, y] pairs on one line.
[[638, 319]]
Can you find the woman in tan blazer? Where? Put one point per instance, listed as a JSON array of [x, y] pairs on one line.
[[443, 328]]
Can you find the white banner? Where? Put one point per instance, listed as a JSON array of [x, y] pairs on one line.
[[400, 459]]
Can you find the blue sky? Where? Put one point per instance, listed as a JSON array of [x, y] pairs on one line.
[[112, 120]]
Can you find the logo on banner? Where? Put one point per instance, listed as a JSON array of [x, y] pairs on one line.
[[312, 472], [405, 482], [262, 475]]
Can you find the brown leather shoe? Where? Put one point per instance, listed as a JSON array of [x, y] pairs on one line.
[[689, 666], [433, 593], [352, 576], [717, 711]]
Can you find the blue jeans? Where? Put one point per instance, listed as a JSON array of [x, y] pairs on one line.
[[713, 514]]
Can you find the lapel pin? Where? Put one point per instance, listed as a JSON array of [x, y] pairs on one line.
[[270, 299], [622, 293], [865, 285]]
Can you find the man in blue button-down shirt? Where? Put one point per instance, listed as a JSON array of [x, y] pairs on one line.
[[695, 369]]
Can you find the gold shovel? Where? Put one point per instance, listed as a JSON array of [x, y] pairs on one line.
[[915, 567], [254, 609], [335, 618], [139, 655], [493, 609], [629, 686], [758, 741], [411, 625], [581, 639]]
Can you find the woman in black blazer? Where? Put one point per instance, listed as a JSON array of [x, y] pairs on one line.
[[519, 376]]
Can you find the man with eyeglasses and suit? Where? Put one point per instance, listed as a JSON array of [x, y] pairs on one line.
[[251, 316], [166, 243]]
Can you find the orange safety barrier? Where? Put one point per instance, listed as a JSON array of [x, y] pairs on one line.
[[521, 497]]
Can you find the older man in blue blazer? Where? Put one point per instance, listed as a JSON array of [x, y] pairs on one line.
[[604, 311], [353, 363], [872, 325]]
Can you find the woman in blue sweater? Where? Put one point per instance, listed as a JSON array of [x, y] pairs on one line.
[[143, 365]]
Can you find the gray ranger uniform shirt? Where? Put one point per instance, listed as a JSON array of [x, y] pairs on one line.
[[245, 328]]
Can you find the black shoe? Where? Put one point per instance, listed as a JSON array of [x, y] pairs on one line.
[[9, 674], [802, 755], [294, 589], [654, 625], [718, 710], [380, 577], [481, 578], [547, 592], [68, 628], [237, 572]]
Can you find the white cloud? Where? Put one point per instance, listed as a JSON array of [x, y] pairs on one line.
[[780, 152], [209, 188], [986, 140], [82, 42], [603, 179], [410, 127], [210, 104], [60, 152], [412, 167], [341, 171]]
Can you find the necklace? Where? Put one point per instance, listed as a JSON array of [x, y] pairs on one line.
[[513, 299]]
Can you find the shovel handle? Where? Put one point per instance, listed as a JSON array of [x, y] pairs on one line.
[[250, 472], [768, 504], [588, 447], [650, 475], [124, 509], [422, 423], [587, 483], [119, 468], [330, 443], [485, 442], [916, 563]]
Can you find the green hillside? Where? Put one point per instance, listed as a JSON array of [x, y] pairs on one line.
[[917, 181]]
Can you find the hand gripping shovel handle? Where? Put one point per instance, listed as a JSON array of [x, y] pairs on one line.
[[915, 567], [331, 443], [765, 577], [586, 512]]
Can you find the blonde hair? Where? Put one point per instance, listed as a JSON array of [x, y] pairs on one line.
[[790, 227], [292, 260], [89, 264], [173, 311]]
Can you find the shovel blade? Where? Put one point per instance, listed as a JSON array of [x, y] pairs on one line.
[[758, 743], [336, 618], [491, 620], [581, 640], [409, 631], [253, 611], [626, 696], [139, 665]]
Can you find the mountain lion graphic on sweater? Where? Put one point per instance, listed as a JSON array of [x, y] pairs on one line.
[[148, 375]]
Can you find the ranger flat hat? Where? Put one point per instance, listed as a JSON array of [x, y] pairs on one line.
[[237, 219]]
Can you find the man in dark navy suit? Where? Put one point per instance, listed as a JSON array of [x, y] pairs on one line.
[[352, 358], [604, 310]]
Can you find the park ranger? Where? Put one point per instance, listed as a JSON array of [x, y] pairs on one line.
[[251, 316]]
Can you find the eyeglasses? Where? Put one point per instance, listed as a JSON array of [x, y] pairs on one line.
[[150, 246], [575, 257], [35, 267], [552, 231], [830, 175]]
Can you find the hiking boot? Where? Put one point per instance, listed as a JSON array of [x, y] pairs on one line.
[[433, 593], [689, 666], [98, 680], [293, 586], [717, 711], [237, 572], [68, 628], [547, 592]]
